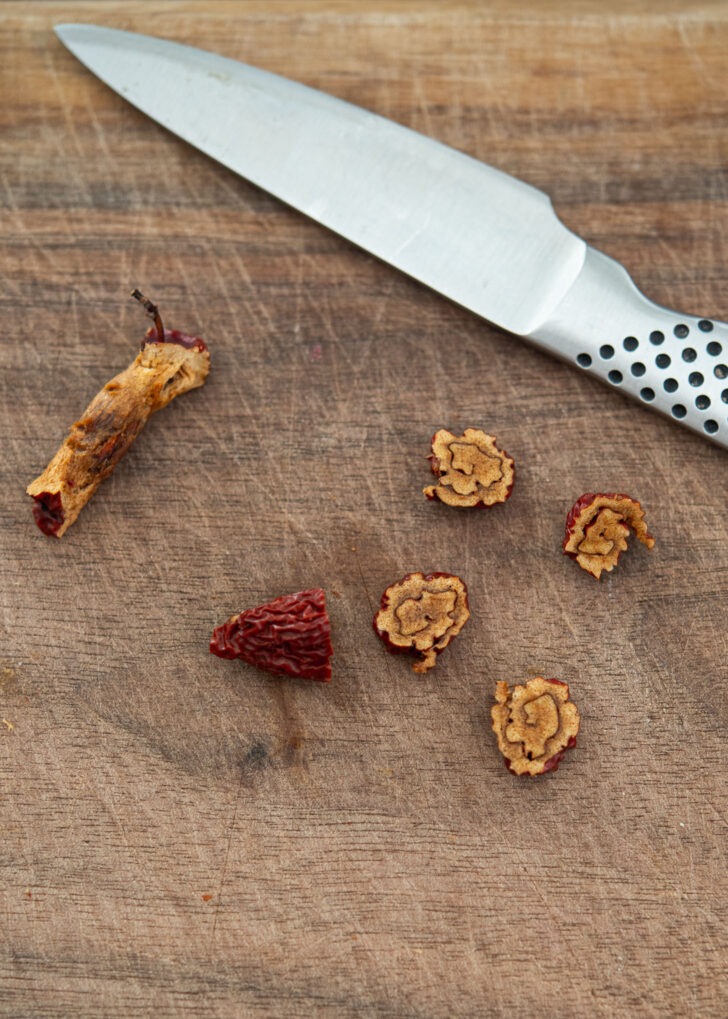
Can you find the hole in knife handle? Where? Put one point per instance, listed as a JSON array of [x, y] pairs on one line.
[[662, 360], [666, 359]]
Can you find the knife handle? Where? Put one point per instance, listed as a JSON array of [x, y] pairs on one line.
[[675, 363]]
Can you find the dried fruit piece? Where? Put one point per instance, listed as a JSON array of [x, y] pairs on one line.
[[597, 527], [470, 468], [535, 724], [422, 614], [290, 636], [169, 363]]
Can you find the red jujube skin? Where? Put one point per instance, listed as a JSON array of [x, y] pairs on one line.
[[289, 636]]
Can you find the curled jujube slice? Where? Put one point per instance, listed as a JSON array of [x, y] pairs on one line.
[[597, 527], [422, 614], [470, 469], [169, 363], [535, 724], [289, 636]]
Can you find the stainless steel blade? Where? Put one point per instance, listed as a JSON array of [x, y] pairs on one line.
[[387, 188], [476, 235]]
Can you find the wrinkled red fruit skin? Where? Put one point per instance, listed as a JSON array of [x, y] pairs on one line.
[[48, 512], [290, 636]]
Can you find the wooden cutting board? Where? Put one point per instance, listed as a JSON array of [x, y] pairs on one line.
[[183, 835]]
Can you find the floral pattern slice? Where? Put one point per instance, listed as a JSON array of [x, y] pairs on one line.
[[535, 724], [289, 636], [597, 528], [470, 469], [422, 614]]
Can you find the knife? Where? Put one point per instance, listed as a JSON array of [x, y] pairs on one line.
[[476, 235]]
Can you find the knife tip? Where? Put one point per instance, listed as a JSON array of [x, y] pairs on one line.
[[74, 31], [66, 31]]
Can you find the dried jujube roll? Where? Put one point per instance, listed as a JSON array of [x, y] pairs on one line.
[[170, 363], [535, 724], [289, 636], [470, 468], [421, 614], [597, 527]]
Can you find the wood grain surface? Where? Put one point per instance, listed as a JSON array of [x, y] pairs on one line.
[[182, 835]]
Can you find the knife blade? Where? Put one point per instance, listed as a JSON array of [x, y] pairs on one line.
[[480, 237]]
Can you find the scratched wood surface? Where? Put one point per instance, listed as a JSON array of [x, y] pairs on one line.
[[185, 836]]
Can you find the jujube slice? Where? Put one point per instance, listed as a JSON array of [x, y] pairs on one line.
[[597, 527], [289, 636], [470, 468], [170, 363], [535, 724], [421, 614]]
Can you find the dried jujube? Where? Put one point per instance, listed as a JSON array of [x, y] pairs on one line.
[[289, 636], [597, 527], [470, 469], [169, 363], [535, 724], [422, 614]]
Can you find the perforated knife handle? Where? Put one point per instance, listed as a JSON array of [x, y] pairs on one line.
[[675, 363]]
